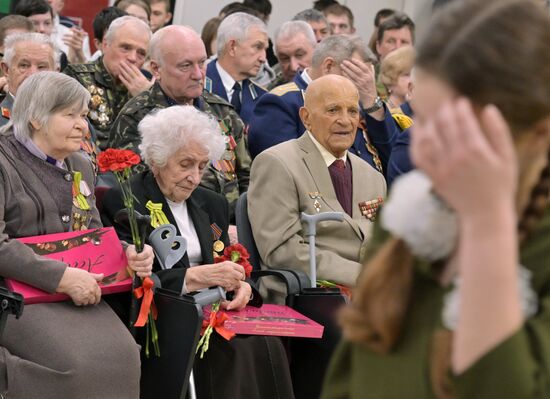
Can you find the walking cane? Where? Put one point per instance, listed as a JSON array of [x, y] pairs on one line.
[[311, 231]]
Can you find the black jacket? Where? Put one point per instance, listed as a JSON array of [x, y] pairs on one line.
[[205, 208]]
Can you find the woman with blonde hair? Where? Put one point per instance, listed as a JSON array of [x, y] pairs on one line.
[[453, 300]]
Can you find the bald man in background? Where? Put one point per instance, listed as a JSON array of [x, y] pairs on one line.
[[316, 173]]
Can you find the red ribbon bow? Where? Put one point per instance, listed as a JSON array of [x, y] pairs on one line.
[[145, 291], [217, 320]]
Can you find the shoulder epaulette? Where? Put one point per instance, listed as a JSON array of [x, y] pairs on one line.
[[402, 120], [286, 88]]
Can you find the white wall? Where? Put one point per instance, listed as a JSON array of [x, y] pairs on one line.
[[196, 12]]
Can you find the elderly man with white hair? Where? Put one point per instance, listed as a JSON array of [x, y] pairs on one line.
[[294, 45], [242, 42], [177, 144], [116, 77], [25, 54]]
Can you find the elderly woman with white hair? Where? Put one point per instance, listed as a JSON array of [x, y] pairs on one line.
[[57, 350], [177, 143]]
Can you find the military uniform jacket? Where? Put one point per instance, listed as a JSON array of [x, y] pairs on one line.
[[275, 119], [107, 100], [229, 176], [516, 368], [249, 97], [289, 179]]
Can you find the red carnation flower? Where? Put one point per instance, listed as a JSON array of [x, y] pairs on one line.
[[117, 160]]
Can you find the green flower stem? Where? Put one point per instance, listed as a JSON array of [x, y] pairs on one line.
[[204, 342]]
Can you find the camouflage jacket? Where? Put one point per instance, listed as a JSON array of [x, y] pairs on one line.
[[108, 98], [228, 176]]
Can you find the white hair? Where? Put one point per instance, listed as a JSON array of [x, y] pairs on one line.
[[41, 95], [235, 27], [122, 21], [167, 131], [341, 47], [290, 29], [28, 37]]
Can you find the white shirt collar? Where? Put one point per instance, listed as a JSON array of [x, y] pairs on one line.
[[327, 156], [305, 76], [227, 80]]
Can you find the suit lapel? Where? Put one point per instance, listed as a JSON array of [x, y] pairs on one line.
[[320, 174], [217, 84], [358, 194], [201, 221]]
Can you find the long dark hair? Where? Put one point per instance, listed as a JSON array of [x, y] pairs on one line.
[[493, 52]]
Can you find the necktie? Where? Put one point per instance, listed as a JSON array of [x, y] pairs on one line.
[[341, 177], [236, 98]]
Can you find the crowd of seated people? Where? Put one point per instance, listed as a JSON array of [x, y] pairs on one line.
[[434, 152]]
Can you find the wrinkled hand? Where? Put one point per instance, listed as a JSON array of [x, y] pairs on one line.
[[241, 298], [471, 161], [363, 76], [81, 286], [74, 40], [133, 79], [141, 263], [226, 274]]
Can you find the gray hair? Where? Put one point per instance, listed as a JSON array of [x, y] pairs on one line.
[[311, 14], [165, 132], [43, 94], [341, 47], [38, 38], [235, 27], [290, 29], [120, 22]]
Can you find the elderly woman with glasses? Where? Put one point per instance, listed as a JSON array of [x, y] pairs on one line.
[[177, 144], [57, 350]]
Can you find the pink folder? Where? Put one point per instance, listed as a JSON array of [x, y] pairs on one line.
[[96, 250], [275, 320]]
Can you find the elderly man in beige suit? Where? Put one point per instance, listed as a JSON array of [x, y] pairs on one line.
[[316, 173]]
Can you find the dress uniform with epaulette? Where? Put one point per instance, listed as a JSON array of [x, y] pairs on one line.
[[228, 176], [275, 119], [245, 94], [107, 100]]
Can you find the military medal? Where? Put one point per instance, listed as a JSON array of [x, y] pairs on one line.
[[369, 209], [316, 203], [218, 245]]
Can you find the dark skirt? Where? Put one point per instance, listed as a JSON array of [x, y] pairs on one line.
[[247, 367], [59, 350]]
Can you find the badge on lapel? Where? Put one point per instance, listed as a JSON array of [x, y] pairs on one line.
[[316, 196], [369, 209]]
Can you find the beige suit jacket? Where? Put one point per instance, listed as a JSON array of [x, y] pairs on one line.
[[282, 182]]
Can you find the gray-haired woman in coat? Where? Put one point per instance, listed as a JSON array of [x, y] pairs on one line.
[[57, 350]]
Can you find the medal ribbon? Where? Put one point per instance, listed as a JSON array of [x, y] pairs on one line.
[[158, 218], [78, 196]]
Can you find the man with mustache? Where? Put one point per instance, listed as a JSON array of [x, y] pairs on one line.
[[178, 59], [242, 43]]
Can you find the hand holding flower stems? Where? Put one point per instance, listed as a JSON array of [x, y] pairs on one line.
[[120, 163], [238, 254]]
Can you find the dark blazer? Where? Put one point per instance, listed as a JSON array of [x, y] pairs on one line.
[[275, 120], [205, 208], [250, 94]]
